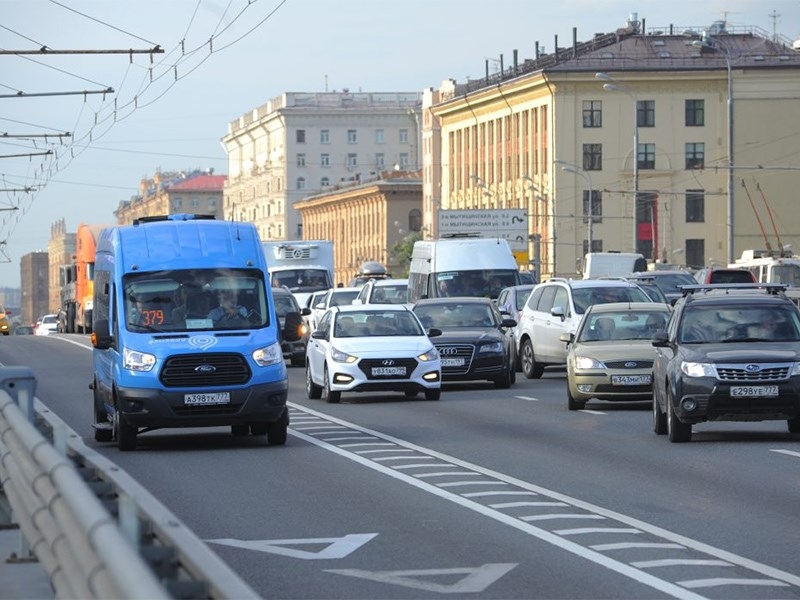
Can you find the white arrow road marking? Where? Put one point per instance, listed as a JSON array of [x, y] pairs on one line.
[[528, 398], [788, 452], [475, 580], [334, 547]]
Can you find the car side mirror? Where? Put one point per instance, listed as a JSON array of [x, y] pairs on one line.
[[291, 326], [305, 311], [318, 334], [434, 332], [508, 323], [567, 337], [101, 335], [660, 339], [558, 311]]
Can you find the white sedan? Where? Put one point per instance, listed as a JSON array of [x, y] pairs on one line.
[[46, 325], [371, 348]]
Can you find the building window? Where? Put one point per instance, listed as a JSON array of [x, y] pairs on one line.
[[352, 138], [301, 136], [301, 183], [695, 113], [593, 157], [646, 113], [597, 206], [379, 136], [404, 136], [646, 155], [597, 246], [592, 113], [352, 160], [695, 253], [695, 155], [325, 136], [301, 160], [325, 182], [415, 220], [380, 161], [177, 203], [404, 160], [695, 206], [325, 160], [212, 203]]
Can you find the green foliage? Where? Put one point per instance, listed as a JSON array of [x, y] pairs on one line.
[[402, 250]]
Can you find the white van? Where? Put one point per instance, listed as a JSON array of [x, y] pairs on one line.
[[461, 266], [612, 264]]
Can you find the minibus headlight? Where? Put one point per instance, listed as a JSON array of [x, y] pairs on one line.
[[270, 355], [137, 361]]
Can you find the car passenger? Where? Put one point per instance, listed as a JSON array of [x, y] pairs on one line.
[[604, 328]]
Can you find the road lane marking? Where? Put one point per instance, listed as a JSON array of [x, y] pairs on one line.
[[718, 581], [521, 504], [592, 412], [787, 452], [569, 539], [333, 547], [552, 516], [672, 562], [528, 398]]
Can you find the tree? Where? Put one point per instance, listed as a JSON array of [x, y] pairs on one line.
[[402, 250]]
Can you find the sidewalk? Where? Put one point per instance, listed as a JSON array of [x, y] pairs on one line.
[[20, 580]]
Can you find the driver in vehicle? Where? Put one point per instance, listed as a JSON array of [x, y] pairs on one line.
[[228, 308]]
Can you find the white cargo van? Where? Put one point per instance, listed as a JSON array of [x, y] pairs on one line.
[[461, 266]]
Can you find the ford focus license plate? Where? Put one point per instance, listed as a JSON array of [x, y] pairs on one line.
[[378, 371], [208, 398], [630, 380], [755, 391]]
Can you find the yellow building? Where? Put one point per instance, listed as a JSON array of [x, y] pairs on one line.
[[684, 141], [365, 221]]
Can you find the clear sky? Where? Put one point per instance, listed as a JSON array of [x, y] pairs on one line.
[[258, 50]]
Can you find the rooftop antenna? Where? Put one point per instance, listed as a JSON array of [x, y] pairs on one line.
[[774, 16], [769, 212]]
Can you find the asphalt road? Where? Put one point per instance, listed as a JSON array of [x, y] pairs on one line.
[[483, 494]]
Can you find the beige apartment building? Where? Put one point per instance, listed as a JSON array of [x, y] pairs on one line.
[[679, 143], [192, 192], [303, 144], [60, 251], [365, 221]]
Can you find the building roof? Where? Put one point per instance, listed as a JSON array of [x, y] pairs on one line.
[[204, 183]]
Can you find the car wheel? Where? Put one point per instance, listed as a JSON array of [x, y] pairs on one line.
[[514, 373], [504, 382], [794, 425], [433, 394], [125, 433], [573, 404], [313, 391], [297, 362], [276, 431], [105, 434], [530, 368], [331, 397], [678, 432], [240, 430], [659, 418]]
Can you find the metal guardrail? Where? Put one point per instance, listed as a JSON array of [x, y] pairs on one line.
[[94, 529]]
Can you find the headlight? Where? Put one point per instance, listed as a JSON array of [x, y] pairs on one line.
[[270, 355], [494, 347], [693, 369], [137, 361], [796, 368], [583, 363], [342, 357], [431, 354]]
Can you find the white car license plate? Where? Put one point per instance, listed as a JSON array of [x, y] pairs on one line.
[[208, 398], [755, 391], [631, 379], [452, 362], [376, 371]]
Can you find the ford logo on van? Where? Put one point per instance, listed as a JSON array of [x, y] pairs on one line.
[[205, 369]]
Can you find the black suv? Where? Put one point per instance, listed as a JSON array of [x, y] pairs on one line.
[[731, 352]]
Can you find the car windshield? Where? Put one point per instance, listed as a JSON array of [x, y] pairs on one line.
[[487, 283], [343, 298], [302, 280], [195, 299], [746, 323], [669, 284], [622, 325], [390, 294], [584, 297], [370, 323], [284, 305], [455, 315]]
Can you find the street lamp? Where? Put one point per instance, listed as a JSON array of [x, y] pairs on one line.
[[712, 43], [614, 86], [539, 195], [572, 168]]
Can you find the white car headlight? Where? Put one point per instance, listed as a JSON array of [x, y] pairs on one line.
[[342, 357], [270, 355], [586, 363], [137, 361], [431, 354], [494, 348], [796, 368], [694, 369]]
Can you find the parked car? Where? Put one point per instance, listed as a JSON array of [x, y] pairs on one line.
[[286, 304], [728, 354], [668, 280], [556, 307], [372, 349], [46, 325], [477, 342], [723, 275], [383, 291], [610, 356]]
